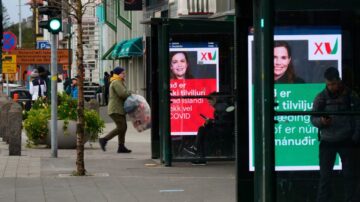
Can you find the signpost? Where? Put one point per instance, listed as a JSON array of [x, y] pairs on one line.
[[9, 64], [8, 67], [9, 41], [43, 45]]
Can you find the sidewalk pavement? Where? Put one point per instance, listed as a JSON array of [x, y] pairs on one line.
[[37, 177]]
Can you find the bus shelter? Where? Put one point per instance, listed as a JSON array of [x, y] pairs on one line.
[[281, 158], [180, 104]]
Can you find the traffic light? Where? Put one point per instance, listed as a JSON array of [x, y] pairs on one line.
[[53, 24]]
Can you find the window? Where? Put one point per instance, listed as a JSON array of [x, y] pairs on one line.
[[124, 16], [110, 13]]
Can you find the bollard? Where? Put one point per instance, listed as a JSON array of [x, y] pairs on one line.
[[4, 109], [14, 129]]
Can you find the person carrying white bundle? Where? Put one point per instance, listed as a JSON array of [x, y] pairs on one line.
[[138, 111]]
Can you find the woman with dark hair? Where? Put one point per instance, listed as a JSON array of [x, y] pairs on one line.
[[283, 67], [179, 66]]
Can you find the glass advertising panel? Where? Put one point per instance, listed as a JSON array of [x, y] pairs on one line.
[[301, 55], [194, 73]]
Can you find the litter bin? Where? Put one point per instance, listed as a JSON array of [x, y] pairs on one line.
[[21, 96]]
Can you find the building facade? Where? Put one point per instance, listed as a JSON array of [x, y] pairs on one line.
[[121, 42]]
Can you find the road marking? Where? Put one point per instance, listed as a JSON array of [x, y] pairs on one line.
[[170, 190]]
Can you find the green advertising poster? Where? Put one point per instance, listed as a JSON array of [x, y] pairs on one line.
[[308, 55], [296, 139]]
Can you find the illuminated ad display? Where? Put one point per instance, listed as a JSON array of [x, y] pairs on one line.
[[301, 56], [194, 71]]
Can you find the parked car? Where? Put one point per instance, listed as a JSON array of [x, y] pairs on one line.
[[22, 96]]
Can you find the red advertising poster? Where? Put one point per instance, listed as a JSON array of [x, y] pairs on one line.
[[193, 76]]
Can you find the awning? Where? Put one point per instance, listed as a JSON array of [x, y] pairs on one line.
[[117, 49], [132, 47], [107, 54]]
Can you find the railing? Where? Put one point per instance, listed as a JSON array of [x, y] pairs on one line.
[[196, 7]]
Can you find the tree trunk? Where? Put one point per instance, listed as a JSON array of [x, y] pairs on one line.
[[80, 164]]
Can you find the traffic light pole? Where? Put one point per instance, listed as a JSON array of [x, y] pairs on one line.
[[54, 145]]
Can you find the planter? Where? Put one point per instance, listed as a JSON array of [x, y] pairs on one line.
[[66, 139]]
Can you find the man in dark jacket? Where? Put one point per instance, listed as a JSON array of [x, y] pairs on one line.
[[337, 133], [217, 132]]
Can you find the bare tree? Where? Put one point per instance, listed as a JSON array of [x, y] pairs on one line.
[[76, 10], [6, 18]]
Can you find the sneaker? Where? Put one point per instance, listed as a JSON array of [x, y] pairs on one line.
[[102, 143], [199, 163]]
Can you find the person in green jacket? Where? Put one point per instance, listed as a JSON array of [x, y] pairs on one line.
[[117, 96]]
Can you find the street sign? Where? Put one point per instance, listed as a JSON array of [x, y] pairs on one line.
[[9, 41], [38, 56], [9, 64], [43, 45]]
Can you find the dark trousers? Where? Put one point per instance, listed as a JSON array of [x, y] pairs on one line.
[[106, 96], [120, 130], [327, 156], [200, 141], [206, 134]]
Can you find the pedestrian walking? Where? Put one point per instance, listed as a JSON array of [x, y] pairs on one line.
[[117, 96]]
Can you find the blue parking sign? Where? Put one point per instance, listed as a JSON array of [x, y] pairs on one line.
[[42, 45]]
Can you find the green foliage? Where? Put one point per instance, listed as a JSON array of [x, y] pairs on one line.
[[66, 107], [93, 124], [35, 123], [40, 103]]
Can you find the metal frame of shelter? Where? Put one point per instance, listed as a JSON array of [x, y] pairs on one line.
[[162, 30], [262, 14]]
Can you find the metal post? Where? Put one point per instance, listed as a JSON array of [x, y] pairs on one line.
[[53, 96], [7, 84], [164, 92], [34, 7], [265, 182], [152, 90], [244, 178], [69, 43], [20, 44], [20, 31], [1, 44]]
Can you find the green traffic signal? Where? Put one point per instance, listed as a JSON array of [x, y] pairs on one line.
[[54, 25]]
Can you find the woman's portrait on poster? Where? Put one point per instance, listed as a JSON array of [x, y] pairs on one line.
[[179, 66], [284, 71]]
